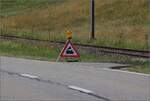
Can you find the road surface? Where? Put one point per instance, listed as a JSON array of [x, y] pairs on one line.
[[32, 80]]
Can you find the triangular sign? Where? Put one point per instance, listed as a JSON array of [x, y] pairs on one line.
[[69, 50]]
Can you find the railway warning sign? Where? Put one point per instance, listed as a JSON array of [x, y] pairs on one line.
[[69, 50]]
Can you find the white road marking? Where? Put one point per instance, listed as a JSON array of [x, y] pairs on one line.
[[29, 76], [126, 72], [80, 89]]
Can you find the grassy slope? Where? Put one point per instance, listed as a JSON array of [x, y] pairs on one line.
[[13, 7], [119, 23]]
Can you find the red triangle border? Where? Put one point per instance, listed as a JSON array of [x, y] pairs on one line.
[[63, 50]]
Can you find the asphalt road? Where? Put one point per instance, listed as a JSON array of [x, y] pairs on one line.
[[32, 80]]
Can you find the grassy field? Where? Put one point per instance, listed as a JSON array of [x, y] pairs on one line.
[[13, 7], [119, 23]]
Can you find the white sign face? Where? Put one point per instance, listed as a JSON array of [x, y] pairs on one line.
[[69, 51]]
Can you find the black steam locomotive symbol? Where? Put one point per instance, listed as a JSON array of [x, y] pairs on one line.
[[69, 51]]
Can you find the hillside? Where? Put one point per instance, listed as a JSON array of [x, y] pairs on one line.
[[119, 23], [12, 7]]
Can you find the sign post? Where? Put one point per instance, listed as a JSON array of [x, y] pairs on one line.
[[69, 50]]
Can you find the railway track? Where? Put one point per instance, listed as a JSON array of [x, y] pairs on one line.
[[110, 50]]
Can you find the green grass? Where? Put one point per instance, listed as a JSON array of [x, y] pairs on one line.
[[124, 12], [45, 51], [50, 53], [102, 41], [13, 7], [24, 49], [140, 69], [119, 23]]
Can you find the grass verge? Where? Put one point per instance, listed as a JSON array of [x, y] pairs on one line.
[[27, 50], [50, 53], [141, 68]]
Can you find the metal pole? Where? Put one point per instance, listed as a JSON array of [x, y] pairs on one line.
[[92, 19]]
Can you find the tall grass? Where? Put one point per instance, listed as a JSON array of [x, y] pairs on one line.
[[119, 23], [13, 7]]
